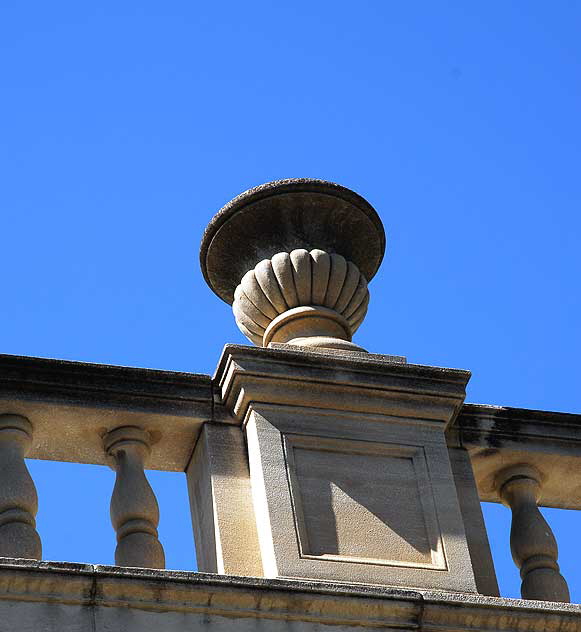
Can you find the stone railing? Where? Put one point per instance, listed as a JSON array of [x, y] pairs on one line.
[[131, 419], [306, 457], [128, 419], [525, 459]]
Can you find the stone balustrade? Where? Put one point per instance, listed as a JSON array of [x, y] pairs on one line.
[[127, 419], [147, 422], [525, 459], [306, 457]]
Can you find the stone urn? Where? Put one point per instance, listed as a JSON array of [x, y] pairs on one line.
[[293, 258]]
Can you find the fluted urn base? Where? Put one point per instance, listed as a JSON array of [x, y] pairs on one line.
[[311, 299], [311, 326]]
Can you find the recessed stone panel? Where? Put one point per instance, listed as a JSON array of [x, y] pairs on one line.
[[362, 502]]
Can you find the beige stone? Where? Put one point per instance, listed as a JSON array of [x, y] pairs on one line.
[[18, 499], [533, 545], [221, 503], [71, 405], [134, 509], [54, 597], [349, 484], [498, 437], [313, 299], [476, 536], [298, 325]]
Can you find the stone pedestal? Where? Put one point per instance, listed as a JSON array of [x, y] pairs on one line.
[[348, 470], [350, 474]]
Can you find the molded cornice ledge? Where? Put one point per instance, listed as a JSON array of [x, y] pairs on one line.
[[91, 597], [343, 382]]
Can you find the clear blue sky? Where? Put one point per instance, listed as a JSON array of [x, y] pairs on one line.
[[127, 125]]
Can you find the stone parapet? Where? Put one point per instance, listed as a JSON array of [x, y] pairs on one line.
[[333, 396], [308, 459]]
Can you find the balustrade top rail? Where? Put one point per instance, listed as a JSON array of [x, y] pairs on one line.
[[73, 404], [497, 437]]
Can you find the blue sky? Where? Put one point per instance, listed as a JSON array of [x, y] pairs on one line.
[[126, 126]]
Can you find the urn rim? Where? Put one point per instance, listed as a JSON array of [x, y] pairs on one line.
[[292, 207]]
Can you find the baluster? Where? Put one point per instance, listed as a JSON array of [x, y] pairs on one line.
[[18, 499], [532, 543], [134, 510]]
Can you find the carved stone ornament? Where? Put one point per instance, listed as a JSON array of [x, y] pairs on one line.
[[293, 257]]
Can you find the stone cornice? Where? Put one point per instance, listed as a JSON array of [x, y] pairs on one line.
[[199, 597], [349, 382]]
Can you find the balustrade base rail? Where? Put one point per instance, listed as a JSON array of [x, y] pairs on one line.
[[60, 595]]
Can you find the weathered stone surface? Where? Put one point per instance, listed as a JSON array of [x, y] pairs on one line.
[[335, 354], [134, 509], [287, 215], [497, 437], [221, 503], [84, 598], [18, 499], [73, 404], [350, 474], [293, 286], [532, 543], [74, 399], [255, 255], [476, 536], [353, 382]]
